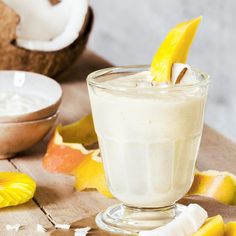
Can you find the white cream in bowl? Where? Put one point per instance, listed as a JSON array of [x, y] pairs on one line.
[[27, 96], [13, 103]]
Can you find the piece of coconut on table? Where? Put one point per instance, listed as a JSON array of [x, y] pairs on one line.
[[41, 36]]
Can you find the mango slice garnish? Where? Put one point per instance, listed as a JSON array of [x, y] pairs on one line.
[[66, 149], [90, 175], [218, 185], [15, 188], [213, 226], [230, 228], [174, 49]]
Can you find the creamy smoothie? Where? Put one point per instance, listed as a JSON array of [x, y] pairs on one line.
[[149, 135], [12, 103], [149, 123]]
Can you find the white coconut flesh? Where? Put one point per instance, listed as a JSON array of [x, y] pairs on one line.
[[47, 27], [183, 74]]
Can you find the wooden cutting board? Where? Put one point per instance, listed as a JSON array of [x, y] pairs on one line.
[[56, 201]]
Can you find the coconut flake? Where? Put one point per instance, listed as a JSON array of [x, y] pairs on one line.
[[183, 74], [51, 28], [40, 229], [186, 224], [82, 231], [62, 226], [178, 72], [15, 227]]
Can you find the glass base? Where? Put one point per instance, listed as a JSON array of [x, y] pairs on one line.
[[121, 219]]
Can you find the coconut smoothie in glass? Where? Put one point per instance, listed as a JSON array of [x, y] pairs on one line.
[[149, 138], [149, 122]]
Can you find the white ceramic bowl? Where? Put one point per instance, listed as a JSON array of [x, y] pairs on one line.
[[33, 84], [17, 137]]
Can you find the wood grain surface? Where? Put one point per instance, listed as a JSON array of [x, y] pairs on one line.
[[56, 201]]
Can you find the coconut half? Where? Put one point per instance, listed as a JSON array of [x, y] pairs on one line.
[[40, 36], [47, 27]]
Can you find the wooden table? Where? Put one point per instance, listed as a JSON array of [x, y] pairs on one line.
[[56, 201]]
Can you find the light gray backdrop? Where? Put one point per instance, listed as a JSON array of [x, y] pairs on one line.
[[128, 32]]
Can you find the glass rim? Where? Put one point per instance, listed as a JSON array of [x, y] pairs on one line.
[[91, 79]]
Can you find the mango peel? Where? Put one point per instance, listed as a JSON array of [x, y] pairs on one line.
[[213, 226], [230, 228], [15, 188], [81, 131], [214, 184], [90, 174], [67, 147], [66, 153]]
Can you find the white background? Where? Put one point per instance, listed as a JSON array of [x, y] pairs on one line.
[[129, 32]]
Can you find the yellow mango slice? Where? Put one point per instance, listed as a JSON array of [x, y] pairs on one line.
[[81, 131], [234, 180], [174, 49], [230, 228], [15, 188], [218, 185], [90, 175], [213, 226], [66, 149]]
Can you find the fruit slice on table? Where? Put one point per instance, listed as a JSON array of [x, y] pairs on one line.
[[66, 149], [174, 49], [218, 185], [15, 188], [213, 226], [90, 175], [230, 229], [81, 131]]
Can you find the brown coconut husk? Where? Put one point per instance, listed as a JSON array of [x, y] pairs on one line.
[[13, 57], [54, 2]]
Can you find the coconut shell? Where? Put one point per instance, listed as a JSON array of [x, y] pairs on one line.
[[13, 57], [54, 2]]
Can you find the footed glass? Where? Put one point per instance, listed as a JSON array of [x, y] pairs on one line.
[[149, 136]]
